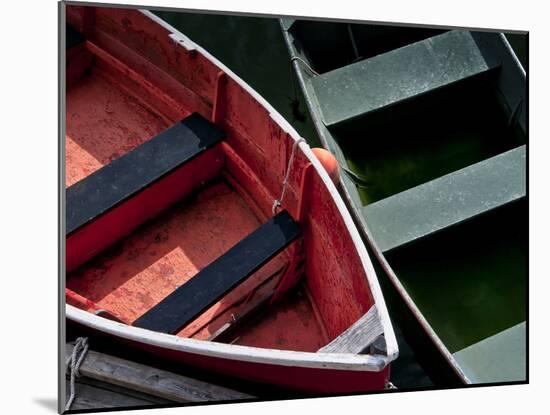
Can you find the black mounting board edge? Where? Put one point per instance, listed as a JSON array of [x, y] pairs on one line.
[[140, 168], [231, 269], [73, 37]]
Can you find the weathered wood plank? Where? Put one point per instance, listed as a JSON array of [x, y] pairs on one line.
[[95, 397], [152, 381], [359, 336], [140, 396]]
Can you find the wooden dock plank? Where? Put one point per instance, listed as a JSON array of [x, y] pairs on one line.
[[93, 395], [152, 381]]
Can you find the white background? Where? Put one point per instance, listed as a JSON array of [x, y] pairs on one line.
[[28, 202]]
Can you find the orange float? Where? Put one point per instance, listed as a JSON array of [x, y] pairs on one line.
[[329, 162]]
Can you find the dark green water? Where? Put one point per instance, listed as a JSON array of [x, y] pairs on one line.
[[470, 281], [520, 45], [455, 132]]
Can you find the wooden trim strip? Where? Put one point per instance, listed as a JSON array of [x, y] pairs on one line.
[[359, 336]]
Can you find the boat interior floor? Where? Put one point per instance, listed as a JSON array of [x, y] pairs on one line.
[[107, 120], [103, 123], [137, 273]]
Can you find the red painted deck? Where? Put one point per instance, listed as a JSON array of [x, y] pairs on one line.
[[289, 325], [137, 273], [104, 122]]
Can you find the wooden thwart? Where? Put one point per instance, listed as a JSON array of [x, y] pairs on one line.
[[397, 76], [225, 273], [152, 381], [448, 200], [359, 336]]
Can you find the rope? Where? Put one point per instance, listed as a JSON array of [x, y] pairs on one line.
[[297, 58], [277, 202], [353, 44], [75, 360], [293, 79]]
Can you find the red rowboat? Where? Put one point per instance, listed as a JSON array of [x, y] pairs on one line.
[[199, 226]]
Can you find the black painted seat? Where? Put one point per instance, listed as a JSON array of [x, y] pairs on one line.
[[137, 170], [225, 273]]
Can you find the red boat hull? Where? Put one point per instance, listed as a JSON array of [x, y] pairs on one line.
[[293, 378]]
